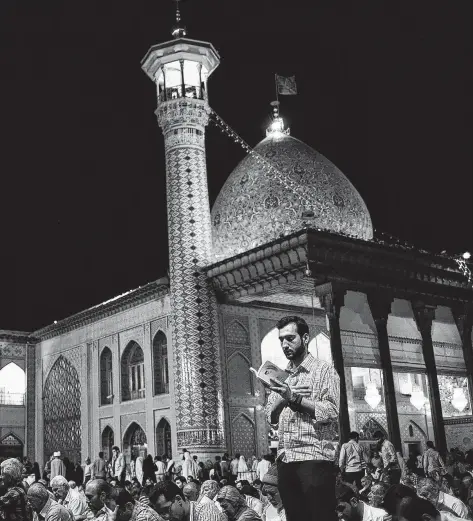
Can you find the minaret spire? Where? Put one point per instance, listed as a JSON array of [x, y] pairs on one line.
[[177, 30]]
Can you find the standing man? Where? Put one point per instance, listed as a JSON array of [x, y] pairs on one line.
[[118, 466], [353, 460], [304, 409], [389, 456], [58, 468], [433, 464], [99, 468]]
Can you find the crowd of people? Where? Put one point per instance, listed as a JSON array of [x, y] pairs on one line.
[[311, 478]]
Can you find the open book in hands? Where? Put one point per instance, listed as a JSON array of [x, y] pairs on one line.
[[269, 370]]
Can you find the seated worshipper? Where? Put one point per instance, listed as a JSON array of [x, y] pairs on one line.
[[170, 502], [13, 504], [100, 500], [251, 497], [44, 506], [271, 493], [404, 505], [67, 495], [429, 489], [128, 508], [234, 505], [350, 508], [366, 482], [376, 495]]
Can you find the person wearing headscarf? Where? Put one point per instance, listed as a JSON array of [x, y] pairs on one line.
[[187, 466], [243, 472], [148, 470], [139, 469], [13, 504], [234, 505]]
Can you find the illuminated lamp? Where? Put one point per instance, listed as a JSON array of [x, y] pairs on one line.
[[417, 397], [459, 400], [372, 396]]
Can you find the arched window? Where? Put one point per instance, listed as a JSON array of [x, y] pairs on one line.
[[12, 385], [163, 438], [107, 442], [133, 372], [160, 364], [106, 377]]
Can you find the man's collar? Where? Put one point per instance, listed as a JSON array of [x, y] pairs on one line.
[[307, 364], [47, 506]]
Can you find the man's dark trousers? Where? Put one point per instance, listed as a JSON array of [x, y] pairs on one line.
[[307, 490]]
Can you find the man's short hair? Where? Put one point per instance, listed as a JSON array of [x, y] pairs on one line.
[[101, 486], [100, 454], [122, 497], [394, 495], [12, 468], [430, 444], [345, 494], [168, 489], [302, 327], [378, 435], [115, 448], [38, 491], [354, 435], [58, 481]]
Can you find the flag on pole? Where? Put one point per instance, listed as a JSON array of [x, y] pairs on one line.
[[286, 85]]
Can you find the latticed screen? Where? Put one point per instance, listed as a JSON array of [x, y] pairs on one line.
[[61, 410]]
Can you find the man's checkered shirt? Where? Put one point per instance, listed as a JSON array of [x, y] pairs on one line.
[[301, 437]]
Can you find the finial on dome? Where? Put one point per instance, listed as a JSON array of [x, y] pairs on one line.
[[177, 30], [277, 124]]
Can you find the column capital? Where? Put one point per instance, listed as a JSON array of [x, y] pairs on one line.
[[331, 298], [424, 315], [380, 306]]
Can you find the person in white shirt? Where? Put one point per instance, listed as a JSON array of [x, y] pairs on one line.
[[429, 489], [350, 508], [262, 467]]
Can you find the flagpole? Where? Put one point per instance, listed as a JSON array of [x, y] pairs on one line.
[[276, 85]]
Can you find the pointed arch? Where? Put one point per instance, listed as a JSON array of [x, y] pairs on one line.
[[12, 384], [418, 428], [11, 446], [237, 334], [160, 363], [132, 372], [240, 382], [106, 376], [243, 435], [62, 411], [164, 437], [134, 441], [108, 441], [369, 428]]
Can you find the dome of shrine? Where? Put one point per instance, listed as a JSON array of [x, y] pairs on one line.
[[257, 205]]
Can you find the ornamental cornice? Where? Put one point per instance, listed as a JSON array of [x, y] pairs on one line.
[[151, 291], [352, 263], [182, 112], [16, 337]]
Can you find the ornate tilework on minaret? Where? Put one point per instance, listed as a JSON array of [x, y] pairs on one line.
[[180, 69]]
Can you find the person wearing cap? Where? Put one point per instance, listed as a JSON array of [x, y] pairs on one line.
[[305, 409], [13, 504], [234, 506], [57, 466]]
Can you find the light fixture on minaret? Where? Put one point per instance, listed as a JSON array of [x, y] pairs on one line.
[[180, 69]]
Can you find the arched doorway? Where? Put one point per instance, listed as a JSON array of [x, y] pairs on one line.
[[163, 438], [134, 442], [11, 447], [107, 442], [61, 411]]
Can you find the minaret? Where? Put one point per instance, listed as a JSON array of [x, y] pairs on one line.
[[180, 69]]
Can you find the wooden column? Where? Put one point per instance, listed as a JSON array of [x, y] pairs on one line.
[[463, 315], [424, 316], [332, 300], [380, 306]]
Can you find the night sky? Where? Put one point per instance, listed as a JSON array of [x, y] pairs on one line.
[[385, 92]]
